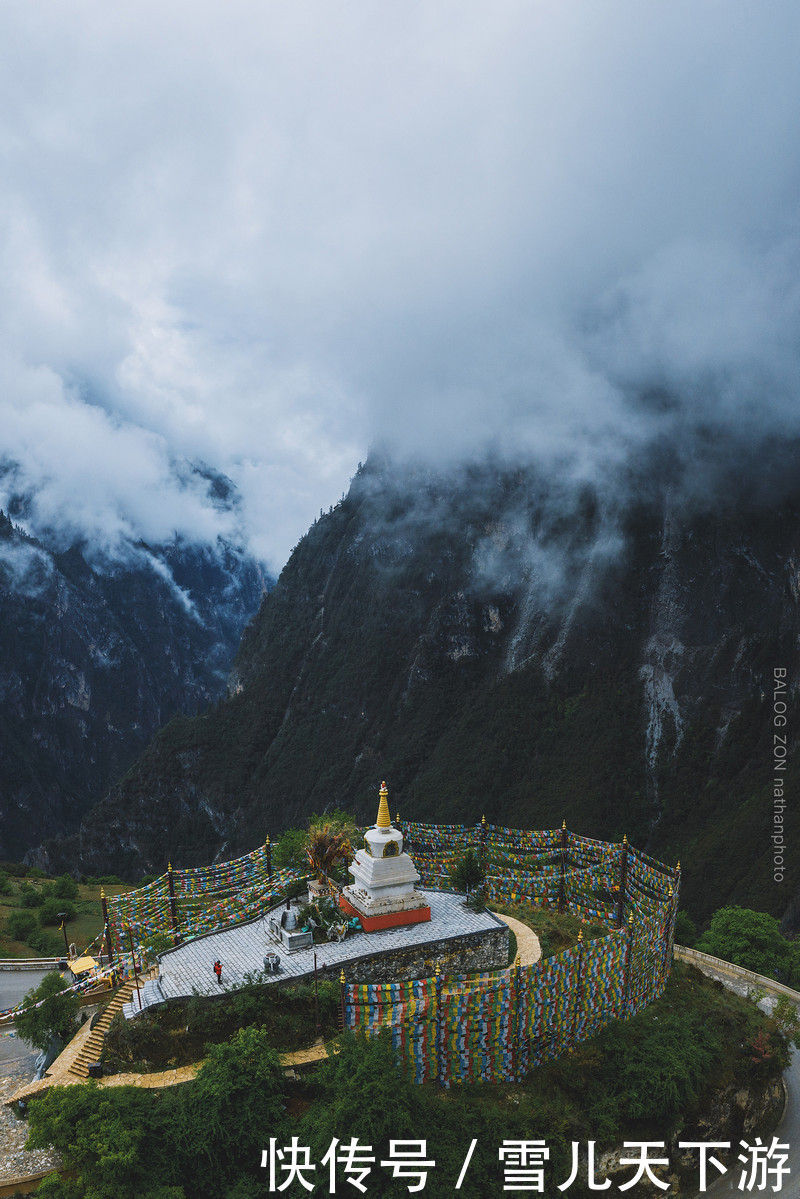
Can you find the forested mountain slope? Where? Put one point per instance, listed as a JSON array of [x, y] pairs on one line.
[[95, 658], [491, 648]]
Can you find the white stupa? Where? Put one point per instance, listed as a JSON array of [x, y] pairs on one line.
[[383, 894]]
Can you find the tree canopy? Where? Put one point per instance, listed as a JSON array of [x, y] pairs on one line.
[[49, 1009], [752, 940]]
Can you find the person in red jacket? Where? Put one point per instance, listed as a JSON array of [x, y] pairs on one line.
[[218, 972]]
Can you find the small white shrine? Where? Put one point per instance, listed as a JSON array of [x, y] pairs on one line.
[[383, 893]]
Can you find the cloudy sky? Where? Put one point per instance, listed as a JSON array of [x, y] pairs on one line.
[[266, 236]]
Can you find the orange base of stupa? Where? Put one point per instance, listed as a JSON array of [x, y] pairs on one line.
[[371, 924]]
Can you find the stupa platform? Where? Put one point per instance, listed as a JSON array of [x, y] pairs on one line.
[[402, 917], [459, 940]]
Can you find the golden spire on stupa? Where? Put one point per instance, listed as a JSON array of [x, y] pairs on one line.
[[384, 820]]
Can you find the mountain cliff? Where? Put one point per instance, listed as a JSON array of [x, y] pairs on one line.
[[491, 647], [95, 658]]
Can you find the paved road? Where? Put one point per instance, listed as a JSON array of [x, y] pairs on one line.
[[14, 984]]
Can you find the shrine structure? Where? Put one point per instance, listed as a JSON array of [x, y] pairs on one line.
[[383, 894]]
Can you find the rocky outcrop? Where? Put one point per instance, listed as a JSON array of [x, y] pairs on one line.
[[735, 1114]]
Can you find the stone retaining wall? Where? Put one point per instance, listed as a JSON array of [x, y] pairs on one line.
[[457, 955]]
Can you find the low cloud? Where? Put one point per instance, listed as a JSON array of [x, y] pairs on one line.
[[265, 238]]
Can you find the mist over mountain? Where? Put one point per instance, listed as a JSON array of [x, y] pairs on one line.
[[99, 647], [494, 647]]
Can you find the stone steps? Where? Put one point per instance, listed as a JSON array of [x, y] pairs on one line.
[[151, 995], [92, 1048]]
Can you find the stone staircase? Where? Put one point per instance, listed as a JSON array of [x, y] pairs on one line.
[[150, 994], [93, 1046]]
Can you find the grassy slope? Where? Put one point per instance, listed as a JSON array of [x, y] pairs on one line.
[[82, 930]]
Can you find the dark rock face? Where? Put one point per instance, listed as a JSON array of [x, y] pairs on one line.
[[491, 648], [94, 660]]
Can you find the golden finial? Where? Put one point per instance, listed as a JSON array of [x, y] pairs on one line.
[[483, 820], [397, 818], [670, 890], [341, 976], [630, 920], [384, 820], [169, 867], [564, 825], [624, 838], [517, 961], [267, 842], [438, 969], [102, 893], [679, 866], [580, 936]]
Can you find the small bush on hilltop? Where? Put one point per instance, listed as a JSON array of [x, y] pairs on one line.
[[329, 844], [329, 837]]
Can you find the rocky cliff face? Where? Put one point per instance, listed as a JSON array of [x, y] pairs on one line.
[[93, 660], [491, 648]]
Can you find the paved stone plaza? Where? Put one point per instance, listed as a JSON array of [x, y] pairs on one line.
[[189, 968]]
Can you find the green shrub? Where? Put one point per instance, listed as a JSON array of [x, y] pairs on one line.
[[238, 1094], [768, 1052], [288, 1013], [289, 851], [15, 869], [656, 1068], [20, 925], [49, 945], [36, 872], [30, 897], [6, 887], [140, 1043], [752, 940], [119, 1142], [51, 909], [65, 887]]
